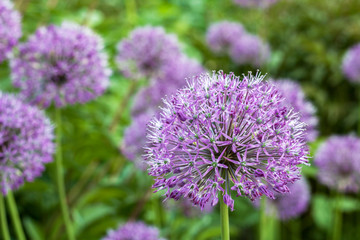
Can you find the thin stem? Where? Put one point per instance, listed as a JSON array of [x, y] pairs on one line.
[[263, 229], [15, 216], [60, 179], [337, 219], [122, 106], [224, 219], [4, 225]]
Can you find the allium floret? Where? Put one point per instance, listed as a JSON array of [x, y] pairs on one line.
[[338, 162], [10, 28], [351, 64], [221, 35], [26, 142], [222, 133], [61, 64], [147, 50], [133, 231], [295, 96]]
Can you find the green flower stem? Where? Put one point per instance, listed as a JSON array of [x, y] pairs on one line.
[[15, 216], [224, 219], [263, 219], [337, 219], [60, 179], [3, 221]]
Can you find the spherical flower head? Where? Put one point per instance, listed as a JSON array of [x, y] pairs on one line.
[[290, 205], [10, 28], [223, 133], [295, 96], [351, 64], [61, 64], [172, 77], [221, 35], [26, 142], [135, 139], [250, 49], [133, 231], [146, 51], [255, 3], [338, 162]]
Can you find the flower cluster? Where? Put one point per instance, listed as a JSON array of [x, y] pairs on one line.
[[133, 231], [10, 28], [244, 48], [26, 142], [339, 163], [292, 204], [255, 3], [146, 51], [295, 96], [222, 133], [147, 101], [351, 64], [61, 64]]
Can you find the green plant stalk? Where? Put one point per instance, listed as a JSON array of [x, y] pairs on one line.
[[60, 178], [4, 225], [224, 219], [263, 228], [15, 216], [337, 219]]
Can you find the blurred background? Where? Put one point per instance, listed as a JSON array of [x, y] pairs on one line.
[[307, 43]]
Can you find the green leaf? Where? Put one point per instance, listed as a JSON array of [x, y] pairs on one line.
[[33, 229], [322, 211]]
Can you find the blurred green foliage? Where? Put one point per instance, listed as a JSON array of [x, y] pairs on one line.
[[308, 40]]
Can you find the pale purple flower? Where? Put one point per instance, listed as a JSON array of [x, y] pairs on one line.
[[222, 35], [290, 205], [295, 96], [26, 142], [222, 132], [351, 64], [61, 64], [147, 50], [10, 28], [338, 161], [255, 3], [250, 49], [133, 231]]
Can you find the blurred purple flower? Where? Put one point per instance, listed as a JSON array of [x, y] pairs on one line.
[[250, 49], [351, 64], [290, 205], [146, 51], [221, 35], [10, 28], [295, 97], [221, 129], [338, 160], [64, 65], [133, 231], [26, 142], [255, 3]]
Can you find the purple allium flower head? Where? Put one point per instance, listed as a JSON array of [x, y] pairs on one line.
[[250, 49], [133, 231], [146, 51], [338, 162], [61, 64], [255, 3], [221, 35], [10, 28], [135, 139], [351, 64], [295, 96], [290, 205], [222, 132], [26, 142]]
